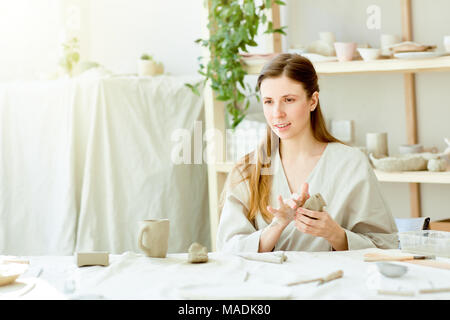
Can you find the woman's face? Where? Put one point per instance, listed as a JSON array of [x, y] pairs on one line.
[[286, 106]]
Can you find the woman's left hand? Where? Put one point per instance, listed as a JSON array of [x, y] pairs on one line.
[[320, 224]]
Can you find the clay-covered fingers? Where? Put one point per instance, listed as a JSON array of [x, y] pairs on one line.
[[301, 198], [292, 203], [281, 202], [304, 191]]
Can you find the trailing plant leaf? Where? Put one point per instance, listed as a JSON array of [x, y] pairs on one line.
[[233, 25], [71, 55]]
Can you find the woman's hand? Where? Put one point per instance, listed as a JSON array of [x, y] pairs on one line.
[[320, 224], [287, 210], [282, 217], [299, 200]]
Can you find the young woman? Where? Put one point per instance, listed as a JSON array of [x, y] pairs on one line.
[[264, 194]]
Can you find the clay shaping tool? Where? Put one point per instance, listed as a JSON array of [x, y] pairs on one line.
[[371, 257], [332, 276]]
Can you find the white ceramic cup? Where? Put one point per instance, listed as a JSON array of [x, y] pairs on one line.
[[345, 51], [447, 43], [376, 143], [153, 237], [387, 40]]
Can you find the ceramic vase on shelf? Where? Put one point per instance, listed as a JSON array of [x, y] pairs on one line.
[[447, 43], [377, 144], [386, 41], [147, 67], [345, 51]]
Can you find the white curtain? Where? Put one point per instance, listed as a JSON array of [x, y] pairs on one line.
[[82, 161]]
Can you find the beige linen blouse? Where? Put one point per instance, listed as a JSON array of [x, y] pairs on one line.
[[345, 179]]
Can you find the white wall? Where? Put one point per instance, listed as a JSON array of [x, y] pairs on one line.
[[121, 30], [28, 37], [114, 33]]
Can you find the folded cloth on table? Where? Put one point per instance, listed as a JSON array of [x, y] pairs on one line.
[[273, 257]]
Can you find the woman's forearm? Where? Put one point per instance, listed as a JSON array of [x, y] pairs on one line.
[[269, 237], [339, 240]]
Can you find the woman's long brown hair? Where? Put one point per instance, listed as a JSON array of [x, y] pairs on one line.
[[252, 165]]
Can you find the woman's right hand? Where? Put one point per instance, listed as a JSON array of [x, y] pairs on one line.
[[298, 200], [287, 209]]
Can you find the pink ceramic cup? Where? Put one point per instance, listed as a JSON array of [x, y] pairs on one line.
[[345, 50]]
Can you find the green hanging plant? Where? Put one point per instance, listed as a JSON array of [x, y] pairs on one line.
[[71, 55], [234, 25]]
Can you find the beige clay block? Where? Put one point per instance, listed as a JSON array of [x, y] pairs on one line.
[[95, 258], [315, 203]]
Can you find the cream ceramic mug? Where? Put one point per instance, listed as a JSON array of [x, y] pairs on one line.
[[377, 143], [154, 237], [447, 43]]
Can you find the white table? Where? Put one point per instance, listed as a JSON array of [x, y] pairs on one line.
[[135, 276]]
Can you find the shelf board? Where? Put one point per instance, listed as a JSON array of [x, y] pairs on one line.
[[376, 66], [414, 176], [408, 177]]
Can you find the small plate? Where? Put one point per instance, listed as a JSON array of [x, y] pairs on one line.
[[418, 55], [5, 280], [9, 272]]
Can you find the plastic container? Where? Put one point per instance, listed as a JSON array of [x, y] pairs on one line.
[[428, 242]]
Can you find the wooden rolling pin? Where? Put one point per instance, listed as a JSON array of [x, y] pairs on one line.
[[427, 261], [431, 263]]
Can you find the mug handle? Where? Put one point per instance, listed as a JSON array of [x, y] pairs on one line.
[[141, 234]]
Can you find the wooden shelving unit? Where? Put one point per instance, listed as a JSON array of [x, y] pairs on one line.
[[441, 64], [214, 114]]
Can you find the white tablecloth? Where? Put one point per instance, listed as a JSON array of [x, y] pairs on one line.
[[134, 276], [83, 160]]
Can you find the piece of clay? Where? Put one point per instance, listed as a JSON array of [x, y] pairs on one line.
[[437, 165], [197, 253], [315, 203], [94, 258], [409, 46], [405, 163]]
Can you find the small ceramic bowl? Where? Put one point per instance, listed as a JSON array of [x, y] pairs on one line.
[[369, 54], [391, 270], [345, 50]]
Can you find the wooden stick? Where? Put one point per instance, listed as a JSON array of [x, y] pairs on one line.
[[436, 290], [396, 293], [16, 261], [332, 276]]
